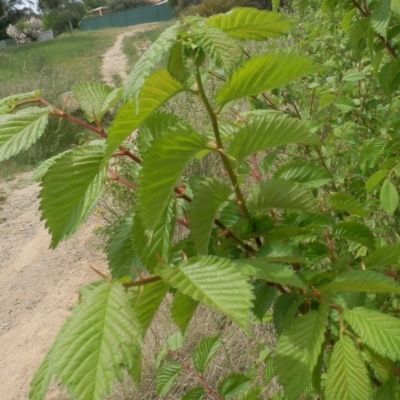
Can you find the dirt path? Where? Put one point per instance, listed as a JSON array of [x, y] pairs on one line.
[[37, 286], [115, 62]]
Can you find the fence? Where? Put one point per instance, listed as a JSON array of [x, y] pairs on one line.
[[135, 16], [45, 35], [7, 43]]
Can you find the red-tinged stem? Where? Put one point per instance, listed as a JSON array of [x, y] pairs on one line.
[[116, 177], [142, 281]]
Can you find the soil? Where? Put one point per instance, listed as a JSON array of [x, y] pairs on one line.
[[38, 286]]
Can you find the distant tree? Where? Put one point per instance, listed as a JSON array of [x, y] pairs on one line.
[[10, 12], [91, 4], [120, 5]]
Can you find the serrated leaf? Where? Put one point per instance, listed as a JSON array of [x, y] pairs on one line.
[[95, 99], [379, 331], [70, 190], [381, 16], [358, 33], [362, 281], [41, 170], [225, 52], [300, 6], [122, 257], [389, 197], [251, 24], [326, 100], [298, 350], [233, 385], [354, 77], [149, 60], [388, 391], [281, 252], [101, 320], [41, 380], [386, 256], [281, 194], [194, 394], [264, 297], [344, 104], [264, 73], [345, 202], [395, 6], [176, 63], [157, 89], [8, 103], [382, 366], [161, 169], [389, 77], [347, 376], [215, 282], [205, 352], [208, 198], [308, 175], [355, 232], [285, 309], [20, 130], [266, 132], [375, 179], [166, 376], [182, 309], [176, 341]]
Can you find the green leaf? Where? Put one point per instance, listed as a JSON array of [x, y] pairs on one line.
[[225, 52], [208, 198], [308, 175], [233, 385], [386, 256], [20, 130], [122, 257], [161, 169], [276, 273], [347, 377], [298, 350], [149, 60], [345, 202], [382, 366], [251, 24], [70, 191], [358, 33], [389, 197], [8, 103], [264, 297], [205, 352], [264, 73], [215, 282], [362, 281], [158, 89], [166, 376], [380, 17], [355, 232], [300, 6], [95, 99], [84, 357], [326, 100], [194, 394], [379, 331], [395, 6], [176, 341], [285, 309], [280, 252], [182, 310], [41, 380], [388, 391], [176, 63], [146, 300], [266, 132], [281, 194], [45, 165], [375, 179], [389, 77]]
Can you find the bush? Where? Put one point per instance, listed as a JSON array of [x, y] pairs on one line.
[[25, 31]]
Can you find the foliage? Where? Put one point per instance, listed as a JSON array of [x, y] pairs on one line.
[[300, 215], [121, 5], [25, 31]]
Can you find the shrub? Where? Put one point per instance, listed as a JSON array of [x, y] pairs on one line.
[[25, 31]]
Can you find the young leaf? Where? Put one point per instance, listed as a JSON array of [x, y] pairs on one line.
[[298, 350], [182, 310], [158, 89], [70, 190], [264, 73], [8, 103], [102, 319], [225, 52], [285, 309], [216, 282], [355, 232], [347, 203], [176, 341], [176, 63], [389, 77], [264, 297], [380, 17], [166, 376], [149, 60], [205, 352], [208, 198], [95, 99], [20, 130], [161, 169], [266, 132], [251, 24], [308, 175], [389, 197], [362, 281], [194, 394], [41, 379], [347, 377], [379, 331], [234, 385], [386, 256], [278, 193], [300, 6], [122, 257], [375, 179]]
